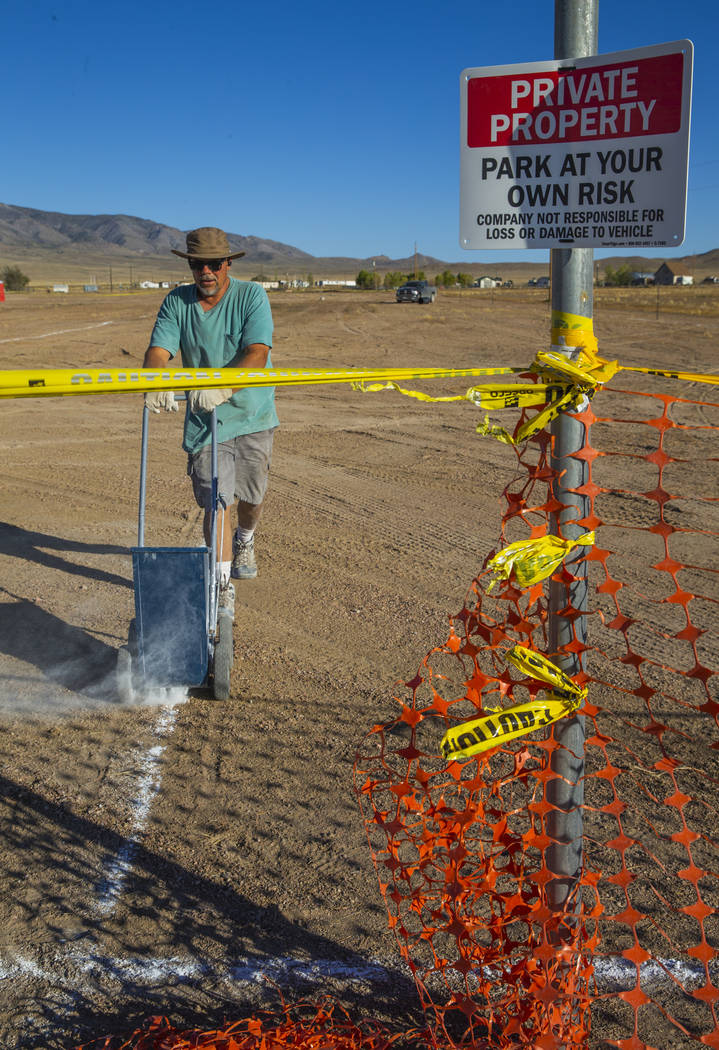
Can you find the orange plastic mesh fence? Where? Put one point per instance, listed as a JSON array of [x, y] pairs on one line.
[[462, 850], [304, 1027]]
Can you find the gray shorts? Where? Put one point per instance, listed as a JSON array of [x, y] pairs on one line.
[[243, 467]]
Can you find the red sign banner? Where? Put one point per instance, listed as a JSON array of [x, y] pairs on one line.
[[619, 100]]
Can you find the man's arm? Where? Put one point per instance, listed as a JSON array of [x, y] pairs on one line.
[[156, 357], [156, 400], [253, 356]]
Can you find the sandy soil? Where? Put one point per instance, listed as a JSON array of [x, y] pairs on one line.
[[159, 858]]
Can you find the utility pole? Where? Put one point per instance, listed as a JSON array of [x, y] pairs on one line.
[[575, 36]]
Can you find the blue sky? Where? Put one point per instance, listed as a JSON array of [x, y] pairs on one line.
[[330, 126]]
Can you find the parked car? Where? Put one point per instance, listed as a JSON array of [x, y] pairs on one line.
[[416, 292]]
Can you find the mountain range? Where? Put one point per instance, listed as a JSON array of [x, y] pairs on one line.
[[57, 246], [104, 240]]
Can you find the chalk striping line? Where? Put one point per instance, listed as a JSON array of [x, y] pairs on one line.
[[60, 331], [81, 968], [76, 967], [118, 868]]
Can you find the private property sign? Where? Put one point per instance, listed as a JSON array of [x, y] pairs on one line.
[[580, 152]]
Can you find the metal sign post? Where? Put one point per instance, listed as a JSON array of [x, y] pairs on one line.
[[575, 35]]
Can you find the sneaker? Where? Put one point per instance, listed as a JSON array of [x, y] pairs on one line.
[[244, 566], [226, 600]]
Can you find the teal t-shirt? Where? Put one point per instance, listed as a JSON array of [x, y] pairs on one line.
[[214, 339]]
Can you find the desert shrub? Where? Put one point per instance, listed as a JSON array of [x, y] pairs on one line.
[[14, 279]]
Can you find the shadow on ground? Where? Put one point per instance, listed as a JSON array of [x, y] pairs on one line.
[[32, 546], [166, 912]]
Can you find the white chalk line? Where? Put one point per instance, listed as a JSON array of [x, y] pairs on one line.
[[59, 331], [118, 868], [76, 967], [81, 968]]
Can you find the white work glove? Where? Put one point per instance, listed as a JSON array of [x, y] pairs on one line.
[[206, 400], [156, 400]]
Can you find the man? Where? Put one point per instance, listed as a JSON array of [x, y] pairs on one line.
[[221, 322]]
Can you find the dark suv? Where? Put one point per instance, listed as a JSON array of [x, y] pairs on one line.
[[416, 292]]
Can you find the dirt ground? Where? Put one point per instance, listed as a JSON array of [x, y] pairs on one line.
[[162, 857]]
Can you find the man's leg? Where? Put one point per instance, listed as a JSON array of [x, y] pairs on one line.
[[254, 455], [224, 533], [244, 565], [248, 517], [248, 514], [199, 469]]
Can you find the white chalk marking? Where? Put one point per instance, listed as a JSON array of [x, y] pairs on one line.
[[615, 973], [118, 868], [78, 967], [81, 967], [59, 331], [21, 966]]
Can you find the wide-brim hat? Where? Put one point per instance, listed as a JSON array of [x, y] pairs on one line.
[[207, 243]]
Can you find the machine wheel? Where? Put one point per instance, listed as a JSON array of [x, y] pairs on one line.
[[223, 658]]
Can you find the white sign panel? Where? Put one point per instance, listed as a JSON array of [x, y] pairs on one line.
[[587, 152]]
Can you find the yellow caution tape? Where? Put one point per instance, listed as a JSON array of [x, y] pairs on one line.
[[582, 367], [573, 330], [691, 377], [585, 365], [570, 399], [487, 429], [55, 382], [535, 665], [489, 731], [555, 397], [492, 730], [517, 395], [568, 381], [583, 371], [533, 560]]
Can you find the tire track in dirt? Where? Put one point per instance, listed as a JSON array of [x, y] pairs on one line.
[[343, 494]]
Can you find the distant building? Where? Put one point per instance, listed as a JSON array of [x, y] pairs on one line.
[[488, 282], [90, 288], [641, 280], [61, 288], [664, 275], [149, 284]]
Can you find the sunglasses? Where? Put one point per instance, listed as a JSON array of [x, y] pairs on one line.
[[200, 264]]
